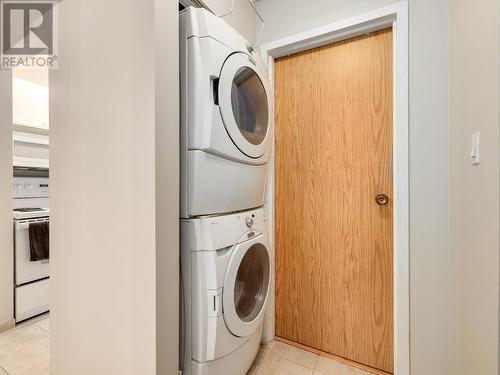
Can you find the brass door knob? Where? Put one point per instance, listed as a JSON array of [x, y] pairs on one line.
[[382, 199]]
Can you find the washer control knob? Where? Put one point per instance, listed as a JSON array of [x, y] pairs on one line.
[[249, 222], [27, 186]]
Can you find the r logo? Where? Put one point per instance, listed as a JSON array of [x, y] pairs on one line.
[[27, 28], [27, 31]]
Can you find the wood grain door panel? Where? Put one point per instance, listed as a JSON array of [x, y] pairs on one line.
[[334, 243]]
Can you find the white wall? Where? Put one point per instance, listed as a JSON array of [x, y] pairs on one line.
[[429, 157], [31, 97], [167, 186], [240, 14], [103, 174], [30, 112], [245, 20], [30, 150], [429, 187], [475, 102], [6, 249]]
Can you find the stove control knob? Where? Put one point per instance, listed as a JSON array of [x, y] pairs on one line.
[[27, 186], [249, 222]]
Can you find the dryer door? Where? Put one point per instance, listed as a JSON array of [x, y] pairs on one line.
[[246, 286], [245, 104]]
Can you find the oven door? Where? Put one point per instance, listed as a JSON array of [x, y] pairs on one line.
[[27, 271]]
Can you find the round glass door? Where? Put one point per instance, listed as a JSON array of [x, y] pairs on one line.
[[249, 104], [251, 283], [245, 105], [246, 288]]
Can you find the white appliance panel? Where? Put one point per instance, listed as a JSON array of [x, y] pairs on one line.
[[32, 299], [217, 185], [27, 271], [209, 246], [30, 187], [223, 163]]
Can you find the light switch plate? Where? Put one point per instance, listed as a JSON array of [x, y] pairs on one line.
[[475, 153]]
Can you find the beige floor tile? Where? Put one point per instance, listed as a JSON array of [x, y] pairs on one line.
[[281, 359], [44, 324], [25, 351], [265, 362], [295, 355], [328, 366], [31, 321], [286, 367], [20, 337], [269, 346], [39, 370], [268, 363]]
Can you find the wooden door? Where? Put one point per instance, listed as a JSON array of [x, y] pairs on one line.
[[334, 246]]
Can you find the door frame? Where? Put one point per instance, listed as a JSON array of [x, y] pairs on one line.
[[395, 16]]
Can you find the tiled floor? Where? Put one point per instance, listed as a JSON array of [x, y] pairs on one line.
[[24, 350], [281, 359]]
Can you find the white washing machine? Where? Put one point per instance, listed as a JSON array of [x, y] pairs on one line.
[[226, 267], [226, 112]]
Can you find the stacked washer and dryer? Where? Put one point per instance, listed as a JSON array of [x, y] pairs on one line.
[[226, 103]]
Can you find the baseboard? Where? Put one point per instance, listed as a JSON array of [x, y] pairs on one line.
[[9, 324], [333, 356]]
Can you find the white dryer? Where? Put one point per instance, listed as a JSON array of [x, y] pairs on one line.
[[226, 112], [226, 267]]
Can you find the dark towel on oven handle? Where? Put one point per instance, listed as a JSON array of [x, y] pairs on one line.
[[39, 240]]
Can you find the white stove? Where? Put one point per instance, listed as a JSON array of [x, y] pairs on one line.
[[31, 278]]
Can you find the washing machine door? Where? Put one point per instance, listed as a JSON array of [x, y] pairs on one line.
[[246, 286], [245, 104]]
